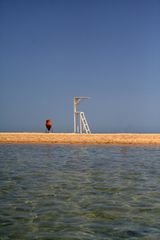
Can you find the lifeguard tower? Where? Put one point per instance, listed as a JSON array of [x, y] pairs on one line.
[[80, 121]]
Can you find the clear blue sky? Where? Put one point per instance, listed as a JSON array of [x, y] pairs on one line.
[[53, 50]]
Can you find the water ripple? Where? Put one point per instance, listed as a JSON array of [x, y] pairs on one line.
[[79, 192]]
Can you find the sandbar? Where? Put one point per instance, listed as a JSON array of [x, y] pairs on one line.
[[72, 138]]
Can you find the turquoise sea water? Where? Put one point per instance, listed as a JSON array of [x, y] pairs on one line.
[[79, 192]]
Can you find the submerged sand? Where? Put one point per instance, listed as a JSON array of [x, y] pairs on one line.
[[71, 138]]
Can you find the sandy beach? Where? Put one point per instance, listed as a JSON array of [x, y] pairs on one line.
[[71, 138]]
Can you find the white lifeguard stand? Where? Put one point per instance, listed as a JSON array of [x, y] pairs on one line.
[[80, 121]]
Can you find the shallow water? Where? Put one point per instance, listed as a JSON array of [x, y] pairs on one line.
[[79, 192]]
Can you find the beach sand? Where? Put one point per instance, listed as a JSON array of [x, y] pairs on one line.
[[71, 138]]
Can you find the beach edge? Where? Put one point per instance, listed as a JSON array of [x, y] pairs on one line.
[[72, 138]]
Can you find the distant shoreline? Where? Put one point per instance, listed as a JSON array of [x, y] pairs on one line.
[[71, 138]]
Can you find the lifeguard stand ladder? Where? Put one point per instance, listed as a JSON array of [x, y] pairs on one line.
[[80, 121]]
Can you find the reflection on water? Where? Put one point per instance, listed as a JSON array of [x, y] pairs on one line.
[[79, 192]]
